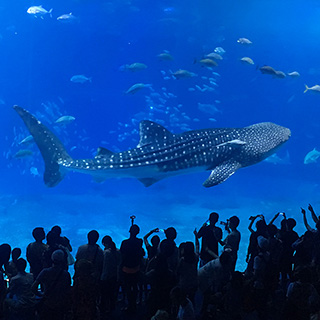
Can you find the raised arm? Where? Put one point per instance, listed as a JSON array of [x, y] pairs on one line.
[[305, 221], [274, 218], [226, 227], [252, 220], [145, 238], [200, 232], [313, 214]]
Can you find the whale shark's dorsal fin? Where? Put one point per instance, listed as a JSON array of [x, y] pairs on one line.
[[103, 153], [152, 132]]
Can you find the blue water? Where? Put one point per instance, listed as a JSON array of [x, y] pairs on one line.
[[39, 56]]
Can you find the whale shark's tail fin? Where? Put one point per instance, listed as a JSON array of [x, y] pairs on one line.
[[51, 148]]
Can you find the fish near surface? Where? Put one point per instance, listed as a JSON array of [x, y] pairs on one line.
[[39, 11], [161, 154], [68, 17], [314, 89]]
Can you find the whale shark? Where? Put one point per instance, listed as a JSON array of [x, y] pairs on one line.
[[161, 153]]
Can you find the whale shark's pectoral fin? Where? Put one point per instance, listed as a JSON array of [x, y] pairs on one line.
[[147, 182], [221, 173]]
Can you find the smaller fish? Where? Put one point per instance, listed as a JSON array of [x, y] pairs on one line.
[[247, 60], [294, 74], [23, 153], [209, 63], [68, 17], [137, 87], [165, 56], [244, 41], [280, 74], [214, 55], [137, 66], [27, 140], [312, 156], [80, 78], [315, 89], [39, 11], [271, 71], [267, 70], [64, 120], [219, 50], [183, 74]]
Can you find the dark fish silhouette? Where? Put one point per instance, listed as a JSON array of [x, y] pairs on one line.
[[161, 154], [272, 72]]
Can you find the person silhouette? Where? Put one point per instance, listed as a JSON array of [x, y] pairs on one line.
[[21, 301], [35, 251], [211, 236], [56, 281], [132, 254]]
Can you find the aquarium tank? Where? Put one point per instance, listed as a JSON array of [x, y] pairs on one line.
[[122, 83]]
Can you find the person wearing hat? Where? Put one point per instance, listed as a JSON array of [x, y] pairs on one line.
[[56, 282]]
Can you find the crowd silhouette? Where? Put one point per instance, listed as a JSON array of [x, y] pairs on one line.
[[158, 280]]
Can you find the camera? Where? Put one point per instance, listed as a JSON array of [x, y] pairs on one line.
[[224, 223], [132, 219]]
